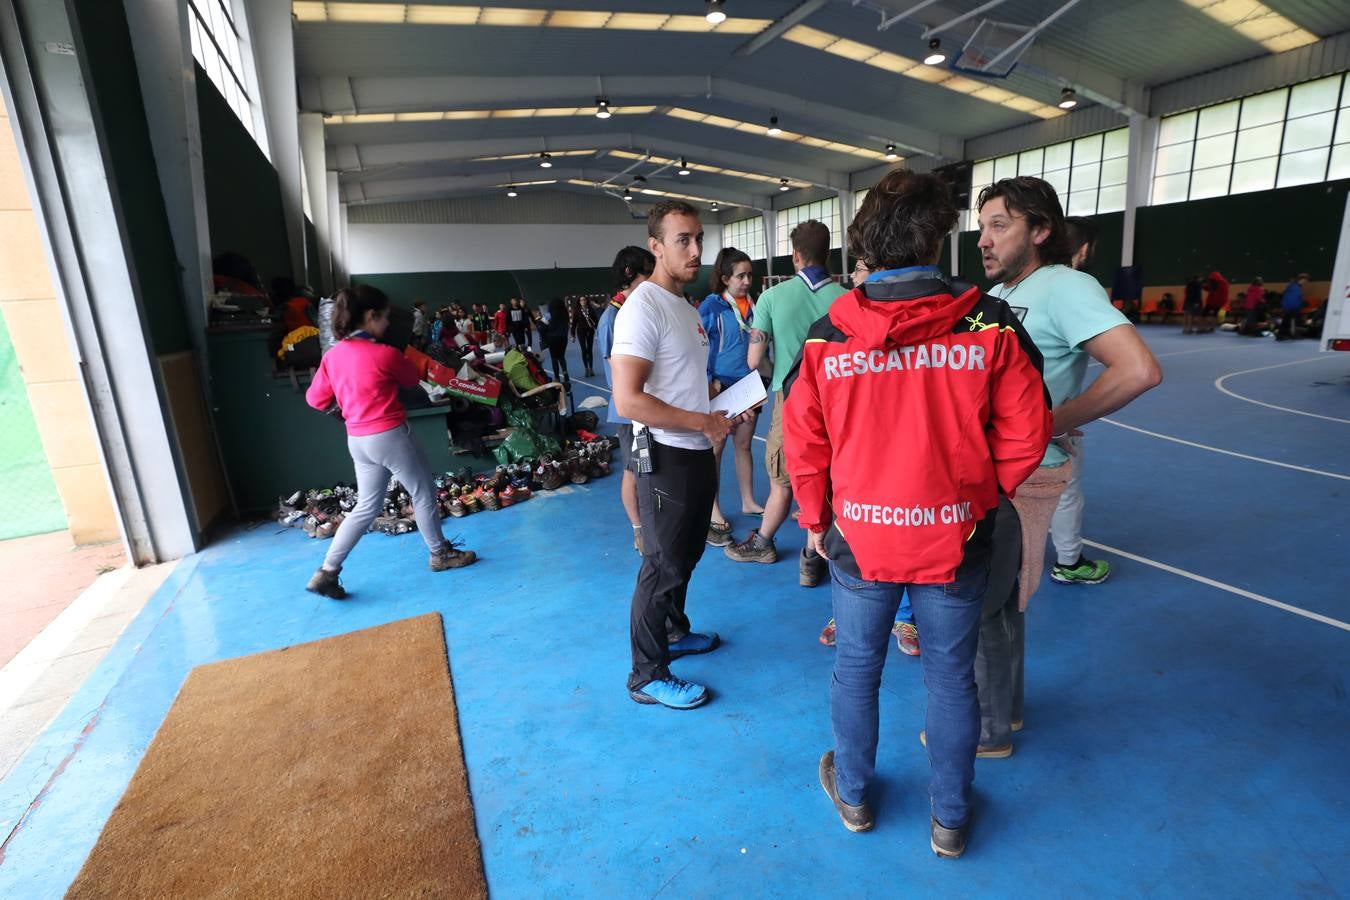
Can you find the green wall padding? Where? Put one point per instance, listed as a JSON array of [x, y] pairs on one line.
[[1274, 234], [243, 194], [27, 492]]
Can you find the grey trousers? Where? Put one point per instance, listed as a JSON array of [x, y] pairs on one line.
[[999, 659], [1066, 527], [377, 456]]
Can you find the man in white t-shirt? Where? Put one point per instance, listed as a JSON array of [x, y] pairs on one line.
[[659, 360]]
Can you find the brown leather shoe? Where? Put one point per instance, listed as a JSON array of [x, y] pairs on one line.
[[980, 752], [855, 818]]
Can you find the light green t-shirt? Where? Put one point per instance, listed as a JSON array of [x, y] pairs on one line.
[[1061, 309], [786, 312]]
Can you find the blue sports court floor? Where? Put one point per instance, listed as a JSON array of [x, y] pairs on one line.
[[1187, 721]]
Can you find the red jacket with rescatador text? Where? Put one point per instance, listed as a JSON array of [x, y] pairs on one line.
[[914, 402]]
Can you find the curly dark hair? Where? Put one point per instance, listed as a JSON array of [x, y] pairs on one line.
[[656, 218], [903, 221], [1036, 200]]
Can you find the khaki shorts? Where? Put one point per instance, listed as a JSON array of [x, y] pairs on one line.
[[773, 445]]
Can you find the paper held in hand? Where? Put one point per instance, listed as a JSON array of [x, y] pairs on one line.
[[741, 396]]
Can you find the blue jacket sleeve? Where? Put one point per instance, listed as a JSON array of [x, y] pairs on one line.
[[711, 315]]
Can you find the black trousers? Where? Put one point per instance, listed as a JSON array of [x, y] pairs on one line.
[[1000, 658], [520, 337], [557, 353], [586, 338], [675, 506]]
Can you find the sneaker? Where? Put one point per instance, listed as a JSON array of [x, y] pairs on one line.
[[980, 752], [451, 558], [456, 507], [694, 643], [671, 692], [507, 497], [948, 843], [487, 497], [810, 569], [719, 534], [326, 584], [906, 638], [855, 818], [753, 549], [827, 634], [1085, 571]]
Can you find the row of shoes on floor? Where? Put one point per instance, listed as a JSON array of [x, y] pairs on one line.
[[320, 511]]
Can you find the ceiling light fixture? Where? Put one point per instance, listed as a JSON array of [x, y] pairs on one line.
[[935, 55], [1068, 98], [684, 167], [627, 194], [774, 130], [717, 13], [782, 184], [511, 191], [891, 155], [545, 161], [601, 108], [714, 206]]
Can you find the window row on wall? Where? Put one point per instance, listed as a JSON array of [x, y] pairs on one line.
[[217, 46], [1087, 173], [825, 211], [1281, 138], [747, 235]]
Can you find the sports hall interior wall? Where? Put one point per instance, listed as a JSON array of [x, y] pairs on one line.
[[243, 192]]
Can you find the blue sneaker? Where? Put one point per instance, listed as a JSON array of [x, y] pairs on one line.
[[693, 642], [672, 692]]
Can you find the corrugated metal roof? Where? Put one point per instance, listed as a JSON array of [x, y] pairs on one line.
[[1144, 42]]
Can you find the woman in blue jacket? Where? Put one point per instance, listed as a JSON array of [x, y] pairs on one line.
[[727, 313]]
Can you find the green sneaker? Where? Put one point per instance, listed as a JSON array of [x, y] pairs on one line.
[[1085, 571]]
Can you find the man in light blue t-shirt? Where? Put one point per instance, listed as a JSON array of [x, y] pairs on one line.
[[1024, 247]]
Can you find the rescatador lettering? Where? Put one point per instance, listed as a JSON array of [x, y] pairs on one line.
[[903, 359]]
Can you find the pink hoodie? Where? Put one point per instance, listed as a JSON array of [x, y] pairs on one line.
[[364, 377]]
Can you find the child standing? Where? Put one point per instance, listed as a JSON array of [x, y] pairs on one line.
[[363, 376]]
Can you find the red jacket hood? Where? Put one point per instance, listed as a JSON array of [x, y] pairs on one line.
[[885, 324]]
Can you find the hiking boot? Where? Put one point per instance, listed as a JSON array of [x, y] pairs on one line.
[[810, 569], [948, 843], [487, 498], [719, 534], [753, 549], [827, 634], [855, 818], [693, 643], [906, 638], [1085, 571], [456, 507], [507, 497], [980, 752], [671, 692], [326, 584], [451, 558]]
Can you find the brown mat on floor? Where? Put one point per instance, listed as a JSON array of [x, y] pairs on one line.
[[330, 769]]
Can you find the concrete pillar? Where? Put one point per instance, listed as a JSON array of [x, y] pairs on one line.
[[1143, 140], [314, 158], [273, 43]]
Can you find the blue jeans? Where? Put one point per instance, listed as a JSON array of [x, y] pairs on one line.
[[948, 617]]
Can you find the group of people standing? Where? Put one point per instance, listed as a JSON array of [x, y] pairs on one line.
[[928, 432]]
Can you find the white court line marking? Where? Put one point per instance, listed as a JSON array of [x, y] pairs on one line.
[[1269, 462], [608, 391], [1218, 383], [1259, 598]]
